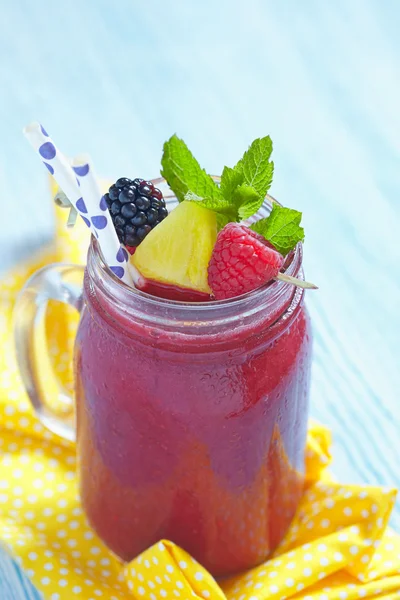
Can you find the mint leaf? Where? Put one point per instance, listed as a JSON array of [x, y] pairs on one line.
[[281, 228], [222, 207], [257, 168], [230, 180], [247, 201], [248, 182], [242, 189], [184, 174]]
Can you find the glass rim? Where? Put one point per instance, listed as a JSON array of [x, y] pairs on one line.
[[128, 297]]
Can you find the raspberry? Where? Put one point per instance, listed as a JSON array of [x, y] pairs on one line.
[[242, 261], [136, 207]]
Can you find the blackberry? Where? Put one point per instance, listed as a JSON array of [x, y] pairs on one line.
[[136, 207]]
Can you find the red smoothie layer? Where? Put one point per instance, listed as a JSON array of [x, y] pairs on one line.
[[171, 292], [197, 439]]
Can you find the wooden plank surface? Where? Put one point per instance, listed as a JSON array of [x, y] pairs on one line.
[[117, 79]]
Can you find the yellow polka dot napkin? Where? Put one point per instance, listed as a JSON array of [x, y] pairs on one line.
[[338, 546]]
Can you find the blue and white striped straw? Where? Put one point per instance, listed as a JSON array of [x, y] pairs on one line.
[[81, 188]]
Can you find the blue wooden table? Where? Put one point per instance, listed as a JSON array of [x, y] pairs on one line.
[[116, 79]]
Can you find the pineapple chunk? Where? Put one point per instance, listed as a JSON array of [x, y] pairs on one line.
[[177, 251]]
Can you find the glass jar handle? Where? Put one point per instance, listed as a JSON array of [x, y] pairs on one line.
[[62, 283]]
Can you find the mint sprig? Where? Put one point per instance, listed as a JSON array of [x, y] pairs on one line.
[[246, 185], [257, 167], [231, 179], [247, 201], [184, 174], [281, 228], [240, 194]]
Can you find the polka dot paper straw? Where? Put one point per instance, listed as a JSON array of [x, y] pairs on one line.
[[116, 256], [92, 208]]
